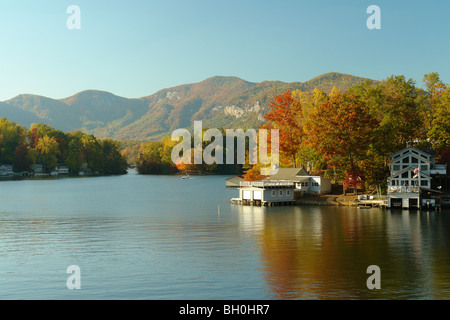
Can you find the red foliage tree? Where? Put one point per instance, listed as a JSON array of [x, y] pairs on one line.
[[341, 130], [285, 115]]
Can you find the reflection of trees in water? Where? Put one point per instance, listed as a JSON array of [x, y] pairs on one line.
[[324, 252]]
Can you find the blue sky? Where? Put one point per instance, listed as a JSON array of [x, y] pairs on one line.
[[134, 48]]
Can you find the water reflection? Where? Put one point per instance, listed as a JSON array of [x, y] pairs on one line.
[[155, 237], [323, 253]]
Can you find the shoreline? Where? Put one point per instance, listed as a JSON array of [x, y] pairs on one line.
[[328, 200]]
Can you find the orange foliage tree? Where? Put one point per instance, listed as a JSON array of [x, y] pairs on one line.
[[253, 174], [341, 130], [286, 115]]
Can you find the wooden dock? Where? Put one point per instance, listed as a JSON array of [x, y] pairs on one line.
[[260, 203], [376, 203]]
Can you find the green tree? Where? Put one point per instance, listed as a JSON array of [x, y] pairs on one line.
[[439, 132], [74, 160], [149, 161], [114, 161], [92, 153]]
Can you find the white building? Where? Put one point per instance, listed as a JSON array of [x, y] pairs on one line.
[[265, 193], [6, 170], [410, 182], [62, 170], [305, 184], [280, 188]]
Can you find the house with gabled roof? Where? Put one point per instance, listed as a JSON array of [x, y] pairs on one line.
[[410, 184], [305, 184]]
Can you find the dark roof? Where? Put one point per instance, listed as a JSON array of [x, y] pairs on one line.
[[294, 174], [430, 190], [233, 182]]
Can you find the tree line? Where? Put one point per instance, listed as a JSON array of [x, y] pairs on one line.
[[41, 144], [156, 158]]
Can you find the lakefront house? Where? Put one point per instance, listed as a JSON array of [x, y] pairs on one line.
[[304, 183], [414, 179], [6, 170], [282, 188]]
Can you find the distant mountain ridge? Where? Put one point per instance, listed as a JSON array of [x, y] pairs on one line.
[[218, 101]]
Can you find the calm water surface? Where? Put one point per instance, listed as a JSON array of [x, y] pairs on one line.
[[160, 237]]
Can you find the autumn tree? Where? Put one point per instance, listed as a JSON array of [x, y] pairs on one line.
[[47, 150], [114, 162], [286, 115], [11, 136], [309, 158], [22, 160], [341, 130], [253, 174], [439, 132], [431, 97]]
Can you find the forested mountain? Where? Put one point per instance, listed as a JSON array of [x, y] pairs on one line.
[[227, 102]]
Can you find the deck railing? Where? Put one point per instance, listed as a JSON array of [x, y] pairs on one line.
[[267, 184], [403, 189]]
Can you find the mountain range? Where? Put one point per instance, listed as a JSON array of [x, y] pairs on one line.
[[219, 101]]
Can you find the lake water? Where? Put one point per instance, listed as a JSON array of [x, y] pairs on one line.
[[162, 237]]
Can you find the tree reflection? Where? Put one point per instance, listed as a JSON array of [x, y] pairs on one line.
[[324, 252]]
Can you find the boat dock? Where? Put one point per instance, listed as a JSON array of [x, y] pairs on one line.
[[380, 203], [372, 201]]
